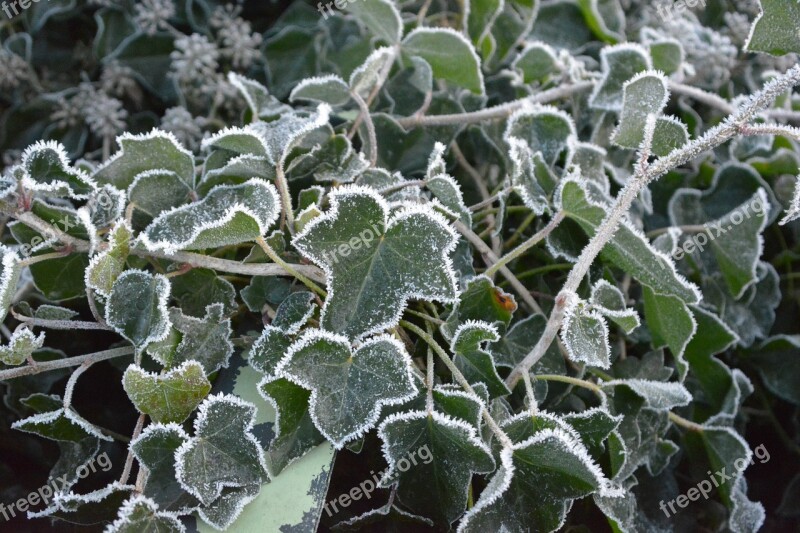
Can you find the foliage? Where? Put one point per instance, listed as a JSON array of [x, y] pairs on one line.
[[548, 244]]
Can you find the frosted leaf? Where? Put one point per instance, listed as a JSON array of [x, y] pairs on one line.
[[227, 508], [140, 513], [155, 449], [450, 55], [605, 18], [746, 515], [52, 421], [138, 153], [294, 312], [240, 141], [262, 104], [656, 394], [167, 397], [535, 485], [334, 160], [544, 129], [330, 89], [477, 364], [279, 136], [106, 204], [671, 324], [201, 287], [619, 64], [295, 432], [591, 159], [436, 163], [237, 169], [223, 452], [518, 341], [529, 179], [156, 191], [137, 307], [585, 335], [609, 301], [54, 312], [268, 350], [593, 425], [454, 452], [643, 95], [230, 214], [670, 133], [367, 76], [203, 340], [448, 191], [537, 62], [21, 346], [775, 30], [47, 170], [482, 301], [106, 267], [793, 213], [348, 388], [375, 262], [380, 17], [628, 248]]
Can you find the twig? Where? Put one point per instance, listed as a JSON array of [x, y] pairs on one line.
[[289, 268], [126, 470], [96, 357], [373, 139], [528, 244]]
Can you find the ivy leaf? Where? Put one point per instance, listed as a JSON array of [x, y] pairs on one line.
[[543, 129], [269, 349], [628, 248], [137, 307], [529, 178], [450, 55], [537, 62], [227, 508], [380, 17], [609, 301], [201, 287], [169, 397], [348, 388], [644, 94], [55, 422], [605, 18], [473, 360], [223, 452], [481, 301], [374, 262], [655, 394], [535, 485], [262, 104], [593, 425], [454, 453], [108, 265], [155, 449], [775, 29], [585, 335], [206, 341], [330, 89], [294, 312], [230, 214], [671, 323], [447, 191], [140, 513], [46, 169], [156, 191], [139, 153], [21, 346], [619, 64], [295, 432], [10, 270]]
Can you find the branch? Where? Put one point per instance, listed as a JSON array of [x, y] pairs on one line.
[[528, 244], [64, 363], [710, 140]]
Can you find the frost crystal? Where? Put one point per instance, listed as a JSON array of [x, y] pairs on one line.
[[153, 15]]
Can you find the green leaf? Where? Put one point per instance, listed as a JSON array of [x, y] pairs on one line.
[[530, 178], [262, 104], [537, 62], [348, 388], [480, 17], [609, 301], [605, 18], [358, 244], [106, 267], [655, 394], [139, 153], [477, 364], [156, 191], [628, 248], [669, 134], [295, 432], [269, 349], [54, 422], [370, 73], [155, 449], [61, 279], [777, 361], [593, 425], [544, 129], [535, 484], [380, 17], [21, 346], [330, 89], [223, 451], [481, 301], [449, 54], [169, 397], [644, 94], [137, 307], [206, 341], [448, 191], [585, 335], [671, 324], [201, 287], [294, 312], [10, 270], [46, 169], [230, 214], [619, 64], [141, 514], [453, 452], [775, 29]]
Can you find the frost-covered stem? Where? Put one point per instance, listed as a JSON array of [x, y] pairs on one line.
[[93, 307], [373, 139], [59, 324], [29, 219], [490, 258], [533, 404], [705, 97], [499, 111], [572, 381], [141, 479], [73, 379], [38, 368], [289, 268], [480, 184], [42, 257], [126, 470], [384, 74], [459, 377], [527, 245], [714, 137], [772, 129], [401, 186], [784, 114], [687, 424], [287, 214]]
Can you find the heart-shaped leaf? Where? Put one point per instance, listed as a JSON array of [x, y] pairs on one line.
[[169, 397], [137, 307]]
